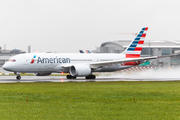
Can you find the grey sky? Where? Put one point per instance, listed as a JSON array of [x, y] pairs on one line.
[[70, 25]]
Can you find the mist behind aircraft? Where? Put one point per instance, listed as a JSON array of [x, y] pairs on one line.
[[159, 73]]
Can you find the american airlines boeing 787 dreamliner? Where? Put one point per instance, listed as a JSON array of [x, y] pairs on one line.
[[77, 64]]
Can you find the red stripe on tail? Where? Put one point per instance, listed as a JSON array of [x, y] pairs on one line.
[[138, 49], [132, 55], [143, 35], [141, 42]]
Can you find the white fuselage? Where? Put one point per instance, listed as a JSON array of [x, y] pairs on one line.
[[51, 62]]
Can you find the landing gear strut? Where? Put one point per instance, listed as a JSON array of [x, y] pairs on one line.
[[18, 77], [91, 77], [87, 77], [70, 77]]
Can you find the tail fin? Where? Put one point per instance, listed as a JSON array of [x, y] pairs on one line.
[[81, 51], [135, 48], [88, 51]]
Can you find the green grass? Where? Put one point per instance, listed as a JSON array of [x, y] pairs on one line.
[[91, 100]]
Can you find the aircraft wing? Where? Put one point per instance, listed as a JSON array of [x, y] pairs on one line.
[[95, 65], [108, 63]]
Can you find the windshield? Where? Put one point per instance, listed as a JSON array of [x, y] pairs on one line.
[[12, 60]]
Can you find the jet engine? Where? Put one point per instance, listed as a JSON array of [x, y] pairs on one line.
[[42, 74], [80, 70]]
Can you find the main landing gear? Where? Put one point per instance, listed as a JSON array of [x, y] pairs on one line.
[[70, 77], [91, 77], [18, 77], [87, 77]]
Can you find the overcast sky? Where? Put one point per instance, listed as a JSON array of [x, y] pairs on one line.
[[70, 25]]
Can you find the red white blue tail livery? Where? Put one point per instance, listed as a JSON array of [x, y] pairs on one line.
[[135, 48]]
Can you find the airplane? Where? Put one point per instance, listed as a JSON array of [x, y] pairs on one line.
[[78, 64], [81, 51], [88, 51]]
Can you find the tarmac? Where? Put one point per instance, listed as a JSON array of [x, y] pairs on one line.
[[12, 79], [154, 76]]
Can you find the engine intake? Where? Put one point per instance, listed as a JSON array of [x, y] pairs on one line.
[[80, 70]]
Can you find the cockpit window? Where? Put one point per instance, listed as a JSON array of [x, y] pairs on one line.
[[12, 60]]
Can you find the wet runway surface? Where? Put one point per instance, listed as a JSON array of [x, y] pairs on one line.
[[12, 79]]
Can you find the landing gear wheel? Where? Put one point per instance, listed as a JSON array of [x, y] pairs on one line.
[[18, 77], [91, 77], [73, 77], [70, 77]]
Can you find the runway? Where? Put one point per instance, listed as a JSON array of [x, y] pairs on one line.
[[12, 79]]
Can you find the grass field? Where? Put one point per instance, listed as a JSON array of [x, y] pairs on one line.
[[91, 100]]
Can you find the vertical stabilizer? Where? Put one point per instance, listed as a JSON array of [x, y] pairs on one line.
[[135, 48], [88, 51], [81, 51]]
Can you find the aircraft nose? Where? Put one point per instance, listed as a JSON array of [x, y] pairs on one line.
[[6, 67]]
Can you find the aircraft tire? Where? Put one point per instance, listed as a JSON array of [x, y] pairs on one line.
[[70, 77], [18, 77], [73, 77], [91, 77]]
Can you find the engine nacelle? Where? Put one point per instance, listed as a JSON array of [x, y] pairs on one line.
[[80, 70], [42, 74]]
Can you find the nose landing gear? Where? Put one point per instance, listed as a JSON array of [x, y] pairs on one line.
[[18, 77]]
